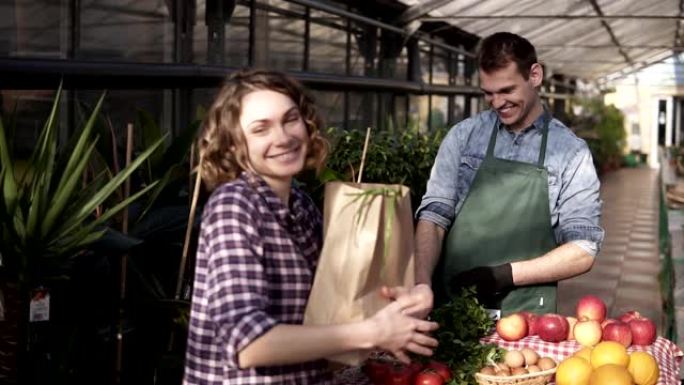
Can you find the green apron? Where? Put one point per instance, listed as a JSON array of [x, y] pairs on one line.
[[504, 218]]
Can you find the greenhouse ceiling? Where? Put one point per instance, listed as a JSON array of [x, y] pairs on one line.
[[597, 40]]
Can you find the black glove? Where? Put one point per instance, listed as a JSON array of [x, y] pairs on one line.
[[491, 282]]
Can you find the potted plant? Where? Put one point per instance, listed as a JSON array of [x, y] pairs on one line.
[[48, 214]]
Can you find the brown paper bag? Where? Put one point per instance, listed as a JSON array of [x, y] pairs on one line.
[[368, 243]]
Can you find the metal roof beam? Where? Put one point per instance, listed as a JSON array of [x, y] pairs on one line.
[[678, 30], [369, 21], [419, 10], [563, 17], [610, 32], [604, 46]]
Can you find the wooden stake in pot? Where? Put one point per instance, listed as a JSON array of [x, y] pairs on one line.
[[363, 154]]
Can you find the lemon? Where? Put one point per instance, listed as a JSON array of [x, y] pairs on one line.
[[610, 374], [609, 352], [573, 371], [643, 368], [584, 353]]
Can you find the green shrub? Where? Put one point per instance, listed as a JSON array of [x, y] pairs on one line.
[[393, 156], [602, 126]]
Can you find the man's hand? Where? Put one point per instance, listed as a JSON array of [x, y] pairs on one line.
[[422, 294], [489, 281]]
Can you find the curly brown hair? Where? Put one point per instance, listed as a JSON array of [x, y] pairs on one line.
[[222, 146]]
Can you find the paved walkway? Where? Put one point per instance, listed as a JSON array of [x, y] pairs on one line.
[[625, 274]]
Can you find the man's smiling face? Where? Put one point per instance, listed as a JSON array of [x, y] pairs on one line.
[[513, 97]]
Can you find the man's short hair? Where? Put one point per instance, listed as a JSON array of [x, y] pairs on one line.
[[498, 50]]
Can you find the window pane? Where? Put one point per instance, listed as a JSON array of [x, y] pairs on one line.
[[362, 110], [475, 105], [38, 28], [280, 36], [400, 115], [458, 110], [328, 43], [121, 107], [440, 66], [237, 38], [364, 50], [424, 61], [330, 106], [402, 65], [439, 112], [139, 31], [418, 112], [235, 29], [32, 108]]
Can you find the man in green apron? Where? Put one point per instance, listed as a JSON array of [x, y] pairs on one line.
[[512, 205]]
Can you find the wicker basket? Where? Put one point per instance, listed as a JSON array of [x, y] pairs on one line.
[[538, 378]]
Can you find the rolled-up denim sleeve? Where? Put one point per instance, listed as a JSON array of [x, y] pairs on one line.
[[579, 201], [440, 199]]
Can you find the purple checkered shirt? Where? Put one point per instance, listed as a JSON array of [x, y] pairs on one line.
[[255, 267]]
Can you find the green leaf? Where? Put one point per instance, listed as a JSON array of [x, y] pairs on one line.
[[163, 182], [180, 147], [76, 239], [9, 183], [107, 190], [77, 152], [65, 191], [151, 133]]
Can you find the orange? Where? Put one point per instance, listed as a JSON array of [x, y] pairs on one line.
[[643, 368], [573, 371], [609, 352], [584, 353], [610, 374]]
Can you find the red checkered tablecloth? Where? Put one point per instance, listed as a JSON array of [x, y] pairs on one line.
[[668, 355]]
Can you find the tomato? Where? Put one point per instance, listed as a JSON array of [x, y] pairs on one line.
[[415, 367], [441, 369], [429, 377], [399, 375], [376, 370]]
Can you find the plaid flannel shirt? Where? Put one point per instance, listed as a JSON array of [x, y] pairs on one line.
[[255, 266]]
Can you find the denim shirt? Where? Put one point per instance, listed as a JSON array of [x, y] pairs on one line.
[[574, 201]]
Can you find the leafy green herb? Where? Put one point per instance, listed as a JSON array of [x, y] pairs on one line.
[[463, 321]]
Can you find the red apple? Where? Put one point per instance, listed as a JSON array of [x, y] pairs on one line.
[[571, 326], [552, 328], [643, 331], [531, 319], [618, 331], [591, 307], [630, 315], [512, 327], [607, 322]]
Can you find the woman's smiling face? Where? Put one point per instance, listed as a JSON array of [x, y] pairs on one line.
[[276, 136]]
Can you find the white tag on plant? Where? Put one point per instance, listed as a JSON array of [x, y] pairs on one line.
[[39, 309], [494, 314]]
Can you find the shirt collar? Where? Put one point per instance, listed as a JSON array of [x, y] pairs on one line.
[[537, 125], [281, 211]]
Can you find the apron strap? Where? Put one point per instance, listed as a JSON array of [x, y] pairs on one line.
[[492, 139], [545, 135]]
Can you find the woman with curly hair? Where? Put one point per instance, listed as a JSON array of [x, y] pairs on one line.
[[259, 244]]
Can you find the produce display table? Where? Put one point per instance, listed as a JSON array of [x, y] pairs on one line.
[[668, 355]]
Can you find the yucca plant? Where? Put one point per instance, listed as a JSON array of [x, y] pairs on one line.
[[47, 214]]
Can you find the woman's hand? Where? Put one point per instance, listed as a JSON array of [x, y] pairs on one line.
[[396, 332], [422, 293]]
